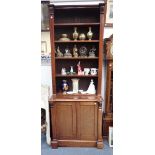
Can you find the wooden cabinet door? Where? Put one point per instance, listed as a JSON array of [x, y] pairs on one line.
[[87, 120], [65, 120]]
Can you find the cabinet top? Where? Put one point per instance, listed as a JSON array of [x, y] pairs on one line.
[[73, 5], [99, 6], [75, 98], [76, 2]]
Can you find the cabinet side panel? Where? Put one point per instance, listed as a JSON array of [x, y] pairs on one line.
[[100, 50], [52, 49]]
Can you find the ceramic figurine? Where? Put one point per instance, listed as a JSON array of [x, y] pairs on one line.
[[67, 53], [90, 34], [75, 51], [75, 83], [82, 36], [75, 34], [91, 88], [80, 72], [63, 71], [92, 52], [71, 70], [58, 52], [83, 51], [64, 86]]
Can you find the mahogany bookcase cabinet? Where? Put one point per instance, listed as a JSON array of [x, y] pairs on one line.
[[76, 120]]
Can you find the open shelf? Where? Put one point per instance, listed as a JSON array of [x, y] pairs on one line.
[[76, 24], [78, 58], [77, 41], [75, 75]]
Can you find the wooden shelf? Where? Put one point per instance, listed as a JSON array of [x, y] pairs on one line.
[[79, 58], [78, 41], [75, 75], [76, 24]]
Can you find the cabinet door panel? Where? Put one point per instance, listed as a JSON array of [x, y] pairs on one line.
[[65, 120], [87, 120]]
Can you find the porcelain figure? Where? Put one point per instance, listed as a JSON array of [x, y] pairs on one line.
[[91, 89], [64, 86]]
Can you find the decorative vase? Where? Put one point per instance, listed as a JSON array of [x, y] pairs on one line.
[[75, 83], [82, 36], [71, 70], [64, 86], [75, 51], [89, 34], [75, 34]]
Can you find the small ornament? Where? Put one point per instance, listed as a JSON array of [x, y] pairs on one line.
[[91, 88], [82, 36], [92, 52], [64, 86], [86, 71], [80, 72], [75, 51], [90, 34], [71, 70], [64, 37], [63, 71], [67, 53], [58, 52], [93, 71], [83, 51], [75, 34]]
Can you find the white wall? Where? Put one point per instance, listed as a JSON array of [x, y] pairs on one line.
[[46, 78], [46, 70], [45, 36]]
